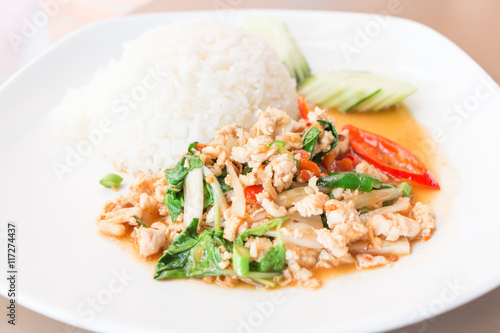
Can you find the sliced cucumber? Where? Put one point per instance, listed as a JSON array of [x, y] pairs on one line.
[[354, 91], [357, 104], [277, 33]]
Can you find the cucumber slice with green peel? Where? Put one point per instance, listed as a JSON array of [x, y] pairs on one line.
[[390, 100], [318, 92], [393, 99], [348, 97], [372, 103], [354, 91], [277, 33], [357, 104]]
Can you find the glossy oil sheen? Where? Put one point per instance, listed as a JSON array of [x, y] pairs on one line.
[[399, 125]]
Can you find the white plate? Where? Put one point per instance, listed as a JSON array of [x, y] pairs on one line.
[[64, 265]]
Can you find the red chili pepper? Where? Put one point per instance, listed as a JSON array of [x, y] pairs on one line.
[[354, 159], [303, 109], [389, 157], [200, 146], [305, 175], [303, 154], [306, 164], [329, 162], [343, 165], [252, 191]]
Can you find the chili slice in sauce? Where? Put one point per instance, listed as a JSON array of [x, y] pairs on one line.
[[389, 157], [303, 107], [307, 168], [252, 191]]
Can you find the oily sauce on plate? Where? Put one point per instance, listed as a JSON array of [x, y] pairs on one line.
[[399, 125]]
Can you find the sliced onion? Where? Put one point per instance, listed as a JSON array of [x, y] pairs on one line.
[[193, 196], [324, 189], [308, 238], [219, 200], [313, 221], [368, 199], [399, 247], [297, 185], [401, 205], [289, 197], [238, 204]]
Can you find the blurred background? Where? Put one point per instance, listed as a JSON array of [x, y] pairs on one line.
[[29, 27]]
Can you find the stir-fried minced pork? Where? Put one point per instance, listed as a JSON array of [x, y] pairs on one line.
[[215, 157], [231, 228], [337, 240], [254, 152], [424, 216], [340, 212], [311, 205], [258, 176], [366, 260], [258, 247], [367, 168], [283, 168], [325, 140], [393, 226], [342, 146], [291, 140], [152, 240], [116, 230], [319, 113], [270, 123], [230, 136], [327, 260], [262, 193]]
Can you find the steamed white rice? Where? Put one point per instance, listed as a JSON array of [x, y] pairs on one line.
[[174, 85]]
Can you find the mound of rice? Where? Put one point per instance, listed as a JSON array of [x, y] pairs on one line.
[[174, 85]]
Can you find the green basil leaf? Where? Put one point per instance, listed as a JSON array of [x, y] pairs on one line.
[[328, 126], [261, 229], [309, 140], [274, 259], [176, 255], [192, 148], [324, 221], [350, 180], [208, 195], [174, 202], [224, 187], [140, 222], [246, 170]]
